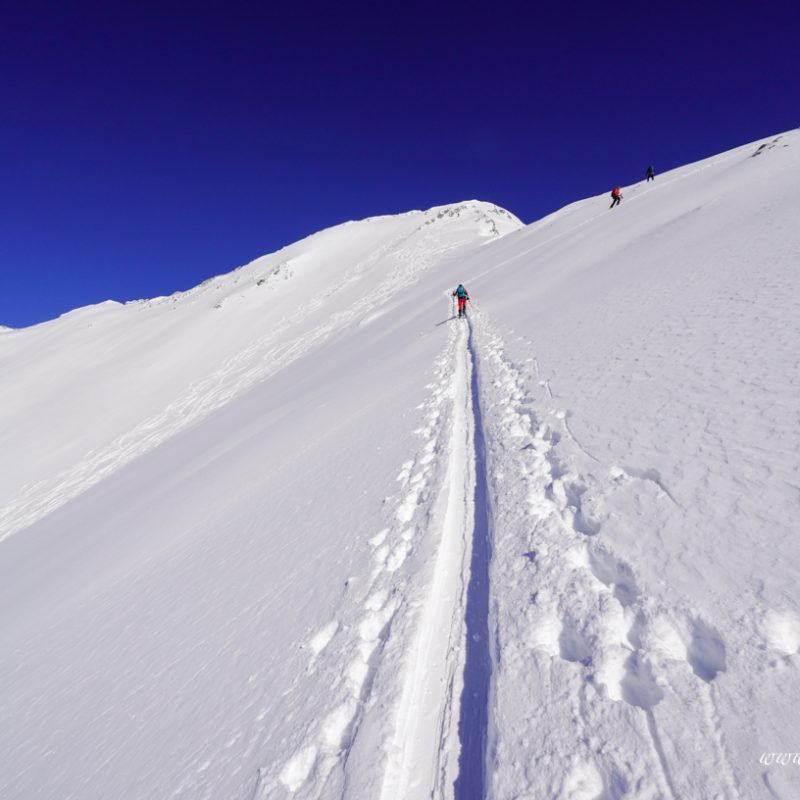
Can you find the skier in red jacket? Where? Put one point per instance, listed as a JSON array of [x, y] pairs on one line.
[[616, 197]]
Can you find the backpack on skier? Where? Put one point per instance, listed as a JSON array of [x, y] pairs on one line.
[[463, 296]]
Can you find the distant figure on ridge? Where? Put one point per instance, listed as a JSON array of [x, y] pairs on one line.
[[463, 296], [616, 197], [651, 174]]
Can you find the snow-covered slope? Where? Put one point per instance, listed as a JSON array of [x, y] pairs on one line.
[[651, 353], [295, 533], [147, 370]]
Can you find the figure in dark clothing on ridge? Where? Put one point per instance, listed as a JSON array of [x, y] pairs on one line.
[[616, 197], [651, 174]]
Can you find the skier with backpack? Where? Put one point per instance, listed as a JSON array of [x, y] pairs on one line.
[[463, 297], [616, 197]]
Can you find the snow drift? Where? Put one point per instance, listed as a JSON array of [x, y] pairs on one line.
[[296, 533]]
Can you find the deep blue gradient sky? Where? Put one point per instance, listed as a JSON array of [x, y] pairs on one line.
[[146, 146]]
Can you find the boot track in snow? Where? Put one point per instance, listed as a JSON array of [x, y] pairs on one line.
[[513, 504], [439, 742]]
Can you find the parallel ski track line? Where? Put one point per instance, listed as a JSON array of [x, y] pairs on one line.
[[438, 749], [473, 723], [420, 762]]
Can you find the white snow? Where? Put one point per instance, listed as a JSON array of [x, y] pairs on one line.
[[295, 534], [422, 750]]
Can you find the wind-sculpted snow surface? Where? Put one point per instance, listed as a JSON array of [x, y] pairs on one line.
[[298, 534], [395, 258], [608, 670]]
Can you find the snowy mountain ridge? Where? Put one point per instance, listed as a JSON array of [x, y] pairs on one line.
[[481, 213], [297, 533], [350, 268]]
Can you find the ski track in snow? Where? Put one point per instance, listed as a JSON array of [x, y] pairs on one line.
[[422, 748], [255, 363], [571, 607], [421, 509], [441, 677]]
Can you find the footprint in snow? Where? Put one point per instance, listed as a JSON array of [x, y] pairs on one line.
[[615, 574], [639, 686], [573, 645], [706, 651]]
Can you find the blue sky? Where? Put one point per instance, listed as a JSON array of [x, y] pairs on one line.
[[146, 146]]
